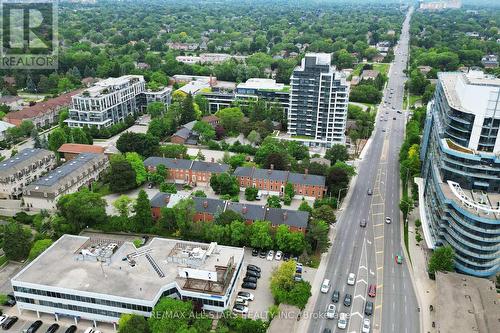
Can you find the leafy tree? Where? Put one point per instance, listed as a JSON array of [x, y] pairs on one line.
[[325, 213], [132, 323], [142, 219], [82, 208], [168, 188], [238, 233], [121, 176], [254, 137], [79, 136], [405, 205], [317, 235], [202, 103], [236, 160], [442, 259], [38, 247], [336, 180], [199, 194], [304, 207], [337, 153], [273, 201], [144, 144], [179, 314], [251, 193], [188, 111], [224, 183], [230, 119], [289, 190], [136, 163], [205, 130], [56, 139], [155, 109], [16, 241], [286, 290], [228, 217], [260, 235], [123, 205], [184, 213], [173, 151], [365, 93]]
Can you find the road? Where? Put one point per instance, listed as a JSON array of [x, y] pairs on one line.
[[369, 252]]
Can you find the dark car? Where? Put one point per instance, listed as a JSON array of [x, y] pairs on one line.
[[253, 274], [249, 285], [393, 118], [53, 328], [370, 192], [263, 254], [34, 327], [11, 300], [399, 111], [362, 223], [327, 330], [250, 279], [71, 329], [286, 257], [9, 322], [347, 300], [255, 253], [369, 308], [253, 268], [335, 296]]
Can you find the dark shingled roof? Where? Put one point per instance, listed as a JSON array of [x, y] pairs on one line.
[[277, 175], [243, 172], [293, 218], [207, 205], [169, 163], [183, 133], [249, 212], [303, 179], [209, 166], [160, 200]]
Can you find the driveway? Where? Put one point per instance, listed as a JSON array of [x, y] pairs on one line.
[[6, 273]]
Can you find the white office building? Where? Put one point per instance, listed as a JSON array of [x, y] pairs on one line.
[[319, 98], [100, 279]]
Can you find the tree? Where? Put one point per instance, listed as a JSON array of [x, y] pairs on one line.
[[336, 180], [136, 163], [144, 144], [238, 233], [205, 130], [132, 323], [230, 119], [365, 93], [38, 247], [188, 111], [142, 220], [337, 153], [442, 260], [121, 176], [254, 137], [260, 235], [168, 188], [82, 208], [289, 190], [251, 193], [184, 213], [227, 217], [325, 213], [170, 315], [317, 235], [199, 194], [304, 207], [16, 241], [56, 139], [173, 151], [236, 160], [224, 183], [155, 109], [273, 201], [202, 103], [123, 205], [286, 290], [405, 205], [281, 237]]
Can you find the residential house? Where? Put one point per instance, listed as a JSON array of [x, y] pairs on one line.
[[211, 120], [72, 150], [424, 69], [369, 74], [185, 135], [15, 103], [207, 209], [295, 220], [490, 61], [26, 166]]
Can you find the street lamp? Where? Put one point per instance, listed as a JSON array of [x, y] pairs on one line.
[[338, 198]]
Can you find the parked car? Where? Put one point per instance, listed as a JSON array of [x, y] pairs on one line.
[[34, 327], [258, 196], [342, 323], [255, 252], [369, 308], [71, 329], [388, 220], [253, 274], [370, 191], [278, 255], [362, 223], [270, 255], [9, 322], [263, 254], [240, 309], [89, 330], [325, 286], [286, 257], [253, 268], [249, 285], [372, 290], [330, 311], [242, 301], [399, 259], [351, 279], [327, 330], [297, 277], [366, 326], [335, 296], [347, 299], [393, 118], [11, 300], [3, 319], [245, 295], [250, 279], [52, 328]]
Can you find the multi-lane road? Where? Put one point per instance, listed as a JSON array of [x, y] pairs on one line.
[[370, 252]]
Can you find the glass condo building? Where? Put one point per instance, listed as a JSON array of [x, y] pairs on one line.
[[460, 183]]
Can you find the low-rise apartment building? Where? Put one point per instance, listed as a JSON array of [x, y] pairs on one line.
[[68, 178], [72, 150], [183, 171], [273, 182], [23, 168]]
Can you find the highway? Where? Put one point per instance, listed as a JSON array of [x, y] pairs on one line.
[[370, 252]]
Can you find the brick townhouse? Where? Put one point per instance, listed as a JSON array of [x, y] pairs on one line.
[[187, 171], [273, 182]]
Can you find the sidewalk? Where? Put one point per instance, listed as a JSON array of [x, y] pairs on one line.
[[425, 288]]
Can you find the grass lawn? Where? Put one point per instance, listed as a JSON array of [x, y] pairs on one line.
[[382, 68], [405, 230], [413, 100], [3, 260], [356, 71]]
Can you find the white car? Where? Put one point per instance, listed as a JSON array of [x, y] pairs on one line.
[[278, 255], [342, 323], [242, 301], [366, 326], [259, 195], [240, 309], [387, 219], [351, 279], [245, 295], [89, 330], [270, 255], [3, 318], [330, 312]]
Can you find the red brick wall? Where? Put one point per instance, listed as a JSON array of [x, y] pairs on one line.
[[177, 139], [156, 212], [203, 217]]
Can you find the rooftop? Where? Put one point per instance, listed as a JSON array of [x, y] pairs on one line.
[[279, 175], [466, 304], [108, 85], [264, 84], [105, 266], [77, 148], [22, 159], [293, 218]]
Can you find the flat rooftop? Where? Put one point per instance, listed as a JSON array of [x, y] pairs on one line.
[[25, 157], [70, 269], [466, 304]]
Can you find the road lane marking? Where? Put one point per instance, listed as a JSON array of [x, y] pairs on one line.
[[379, 237], [379, 252]]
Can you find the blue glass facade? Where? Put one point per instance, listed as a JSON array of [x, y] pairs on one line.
[[474, 233]]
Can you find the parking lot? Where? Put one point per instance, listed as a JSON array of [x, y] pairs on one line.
[[263, 298]]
